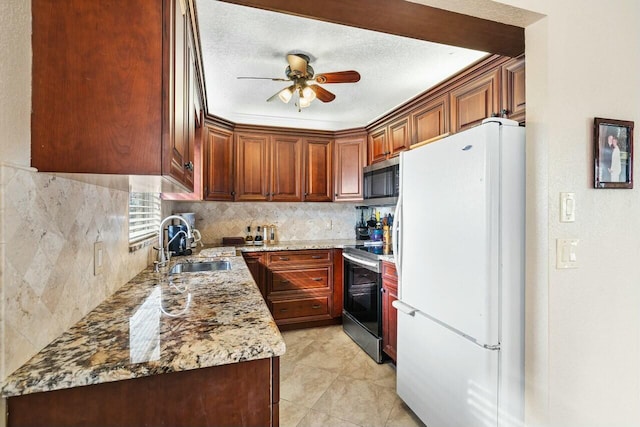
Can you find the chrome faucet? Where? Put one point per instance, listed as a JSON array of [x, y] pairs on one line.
[[162, 257]]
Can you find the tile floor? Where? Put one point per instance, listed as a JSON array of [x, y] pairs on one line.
[[327, 380]]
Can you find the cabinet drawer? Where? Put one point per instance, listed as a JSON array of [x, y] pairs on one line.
[[302, 307], [389, 270], [291, 280], [298, 257]]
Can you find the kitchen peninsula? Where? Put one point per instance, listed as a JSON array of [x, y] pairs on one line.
[[209, 335]]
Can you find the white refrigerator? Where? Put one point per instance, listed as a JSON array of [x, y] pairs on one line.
[[460, 255]]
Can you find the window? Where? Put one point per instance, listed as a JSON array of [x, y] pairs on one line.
[[144, 219]]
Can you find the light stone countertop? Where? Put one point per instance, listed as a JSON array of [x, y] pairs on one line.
[[308, 244], [145, 328], [141, 329]]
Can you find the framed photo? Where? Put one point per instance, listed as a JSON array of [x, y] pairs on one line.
[[613, 153]]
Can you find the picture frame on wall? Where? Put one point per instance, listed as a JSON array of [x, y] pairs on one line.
[[613, 153]]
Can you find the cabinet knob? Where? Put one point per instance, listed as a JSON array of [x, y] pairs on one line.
[[233, 193], [306, 194], [189, 166]]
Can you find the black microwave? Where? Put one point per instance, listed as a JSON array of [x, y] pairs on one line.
[[382, 182]]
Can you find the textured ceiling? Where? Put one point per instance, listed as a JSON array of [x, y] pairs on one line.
[[242, 41]]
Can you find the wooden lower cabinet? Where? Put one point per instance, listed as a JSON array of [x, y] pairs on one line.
[[302, 288], [389, 312], [238, 394], [255, 263]]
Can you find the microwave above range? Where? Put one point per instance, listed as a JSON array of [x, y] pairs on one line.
[[382, 183]]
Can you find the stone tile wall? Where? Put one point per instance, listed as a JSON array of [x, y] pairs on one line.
[[294, 221], [48, 226]]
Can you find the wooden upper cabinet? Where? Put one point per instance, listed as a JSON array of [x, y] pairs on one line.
[[389, 140], [218, 164], [378, 144], [431, 120], [350, 158], [91, 62], [318, 170], [399, 136], [252, 167], [475, 100], [286, 169], [178, 94], [513, 89]]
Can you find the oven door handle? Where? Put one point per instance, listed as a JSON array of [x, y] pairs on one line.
[[360, 261]]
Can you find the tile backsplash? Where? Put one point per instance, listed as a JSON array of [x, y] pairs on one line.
[[48, 226], [294, 221]]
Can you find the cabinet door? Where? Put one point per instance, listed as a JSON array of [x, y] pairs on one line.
[[317, 170], [286, 167], [389, 318], [255, 263], [178, 97], [350, 158], [218, 165], [513, 89], [252, 167], [475, 100], [399, 137], [190, 108], [378, 145], [431, 120]]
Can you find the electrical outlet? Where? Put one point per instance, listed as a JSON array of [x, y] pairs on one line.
[[329, 224], [98, 258]]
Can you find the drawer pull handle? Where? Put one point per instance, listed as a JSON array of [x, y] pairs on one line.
[[284, 281], [317, 279], [316, 306], [283, 258], [316, 256], [282, 310]]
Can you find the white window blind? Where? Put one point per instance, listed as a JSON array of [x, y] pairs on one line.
[[144, 218]]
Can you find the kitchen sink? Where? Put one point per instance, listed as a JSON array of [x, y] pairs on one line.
[[194, 267]]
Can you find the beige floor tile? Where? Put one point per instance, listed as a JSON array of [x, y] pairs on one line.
[[303, 385], [291, 414], [328, 355], [321, 419], [358, 401], [362, 367], [295, 352], [402, 416], [298, 337]]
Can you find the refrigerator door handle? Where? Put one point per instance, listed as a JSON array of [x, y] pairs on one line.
[[405, 308], [395, 239]]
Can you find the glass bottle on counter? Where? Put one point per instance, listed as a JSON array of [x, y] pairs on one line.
[[258, 239], [248, 240]]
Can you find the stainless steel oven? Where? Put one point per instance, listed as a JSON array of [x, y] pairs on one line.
[[362, 309]]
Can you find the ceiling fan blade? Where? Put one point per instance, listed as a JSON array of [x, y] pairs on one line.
[[277, 94], [298, 64], [338, 77], [275, 79], [322, 94]]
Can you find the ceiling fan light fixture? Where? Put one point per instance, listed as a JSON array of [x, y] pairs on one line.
[[285, 95], [304, 102], [308, 93]]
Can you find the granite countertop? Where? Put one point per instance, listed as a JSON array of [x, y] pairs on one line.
[[155, 324], [308, 244], [299, 245]]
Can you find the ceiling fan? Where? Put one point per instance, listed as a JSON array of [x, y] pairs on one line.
[[305, 82]]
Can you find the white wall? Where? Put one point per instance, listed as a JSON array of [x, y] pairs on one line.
[[583, 325]]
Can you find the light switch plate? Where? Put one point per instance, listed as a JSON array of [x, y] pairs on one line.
[[98, 258], [567, 207], [567, 253]]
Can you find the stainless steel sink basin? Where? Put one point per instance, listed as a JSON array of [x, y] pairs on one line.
[[194, 267]]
